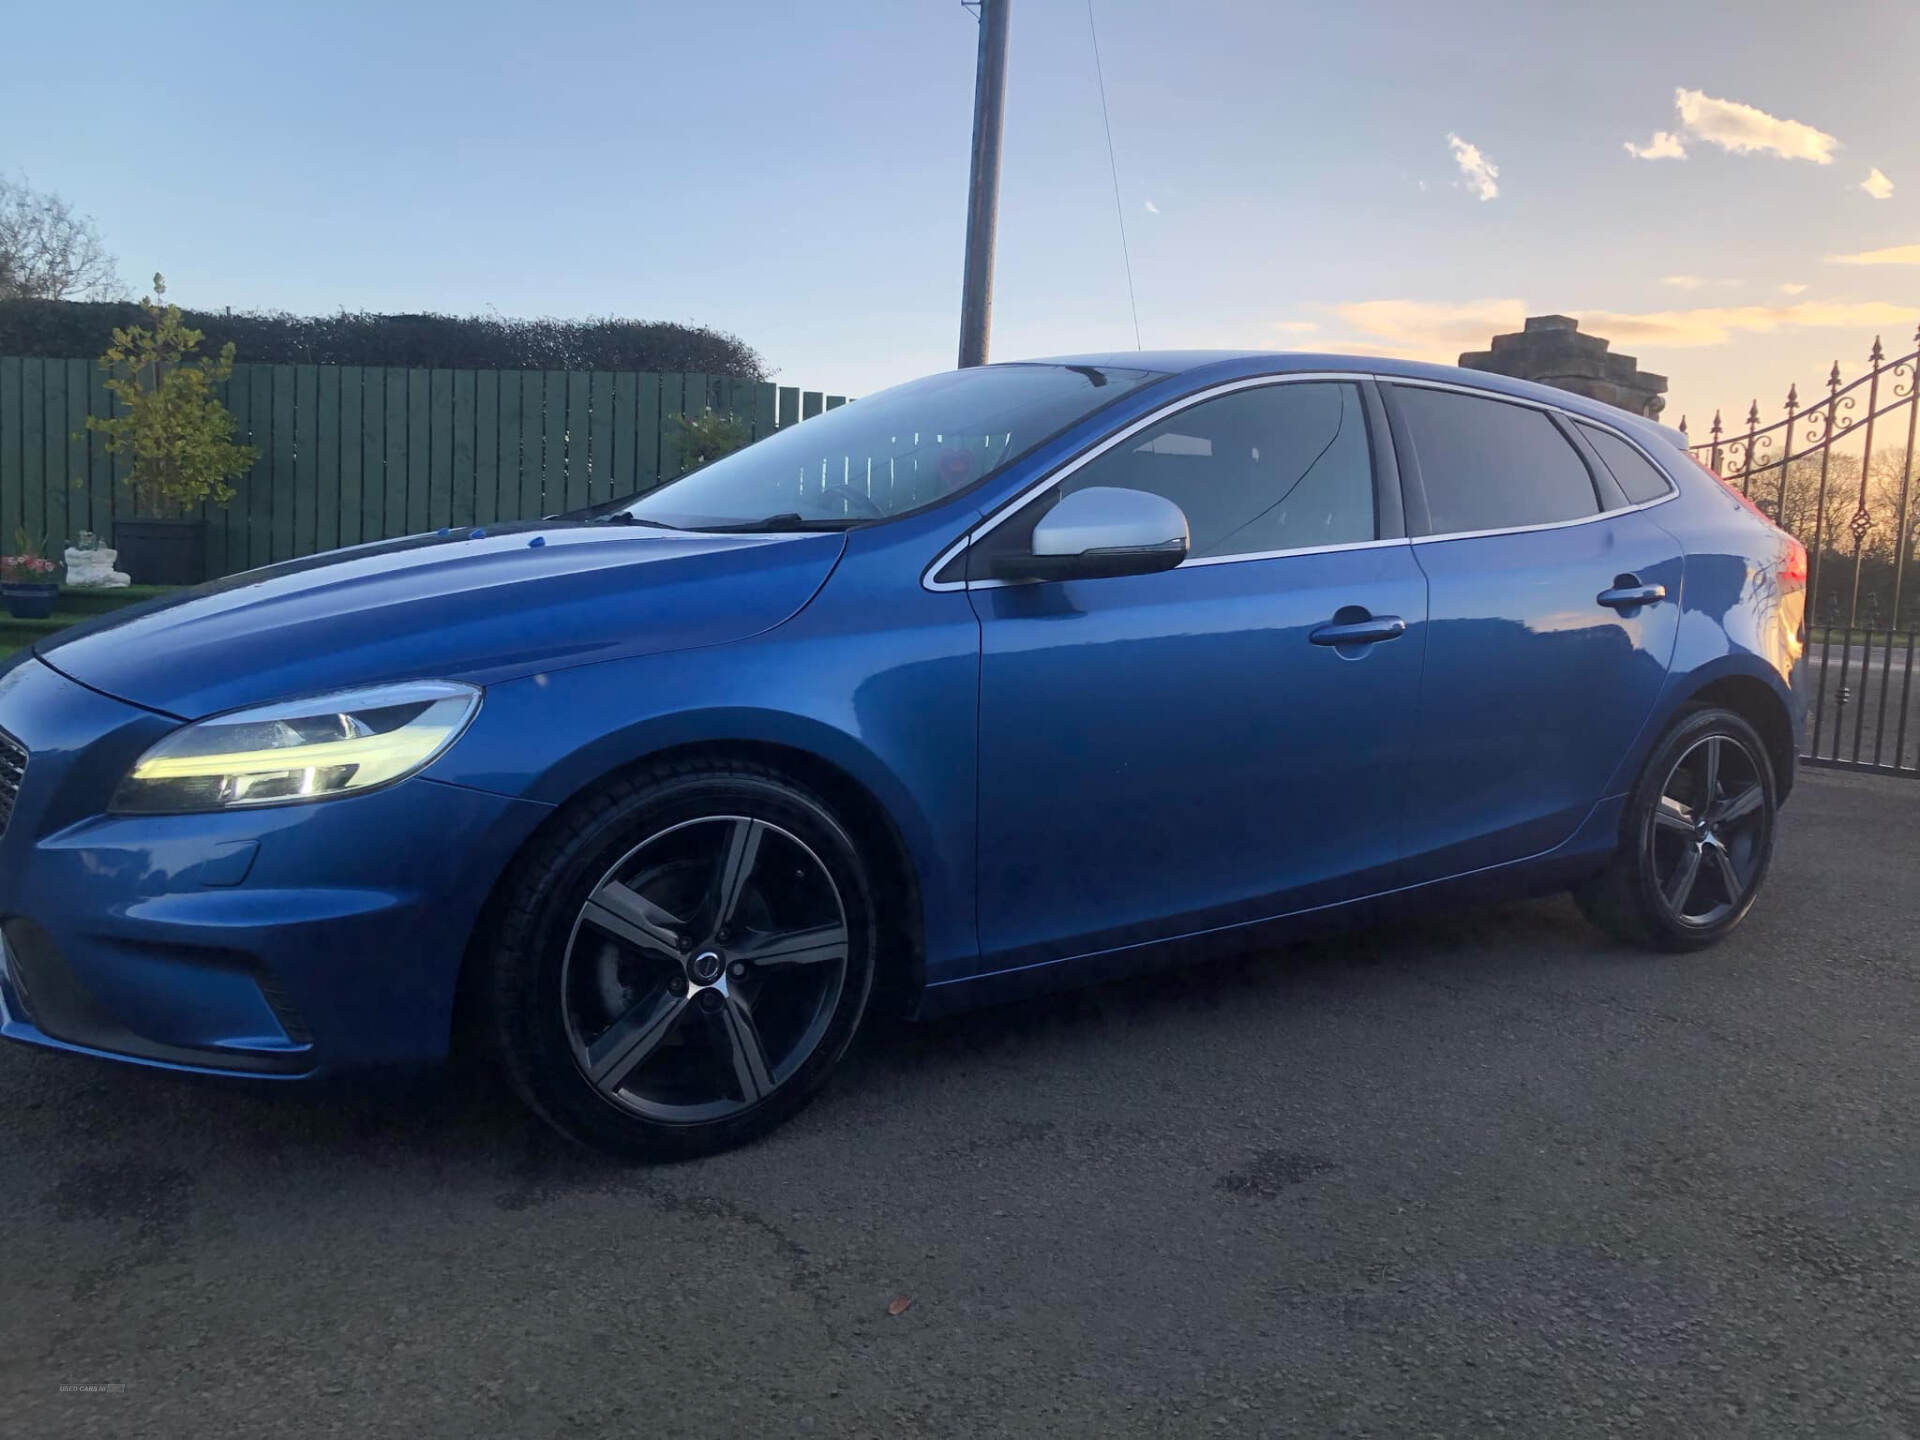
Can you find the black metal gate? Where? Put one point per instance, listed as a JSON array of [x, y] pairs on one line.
[[1845, 493]]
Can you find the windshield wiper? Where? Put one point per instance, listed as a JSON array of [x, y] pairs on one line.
[[621, 517], [786, 520]]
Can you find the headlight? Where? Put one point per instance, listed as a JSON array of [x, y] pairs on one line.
[[301, 750]]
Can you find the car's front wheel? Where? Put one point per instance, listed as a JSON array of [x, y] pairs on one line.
[[682, 960], [1695, 840]]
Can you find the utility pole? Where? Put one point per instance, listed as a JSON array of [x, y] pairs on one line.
[[983, 192]]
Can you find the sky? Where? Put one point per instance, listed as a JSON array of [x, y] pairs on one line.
[[1730, 193]]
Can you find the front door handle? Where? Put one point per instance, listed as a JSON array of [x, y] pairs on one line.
[[1370, 631], [1629, 594]]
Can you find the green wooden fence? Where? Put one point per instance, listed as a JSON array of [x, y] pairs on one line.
[[351, 453]]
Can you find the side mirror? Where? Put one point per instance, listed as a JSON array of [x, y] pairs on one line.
[[1101, 531]]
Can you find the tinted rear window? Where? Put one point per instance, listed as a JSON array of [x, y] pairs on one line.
[[1636, 474], [1487, 465]]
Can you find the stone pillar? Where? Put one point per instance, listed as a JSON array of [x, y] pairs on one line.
[[1552, 351]]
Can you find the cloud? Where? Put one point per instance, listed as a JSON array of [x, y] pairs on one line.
[[1477, 171], [1791, 287], [1695, 282], [1892, 255], [1296, 327], [1877, 185], [1743, 129], [1665, 145], [1425, 330], [1152, 209], [1716, 325]]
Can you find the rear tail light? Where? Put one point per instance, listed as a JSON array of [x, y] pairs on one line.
[[1793, 568]]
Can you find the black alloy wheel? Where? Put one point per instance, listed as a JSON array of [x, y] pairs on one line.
[[1695, 841], [1710, 832], [683, 960]]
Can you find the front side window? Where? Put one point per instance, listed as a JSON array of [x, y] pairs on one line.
[[1638, 478], [1488, 465], [1275, 467], [888, 454]]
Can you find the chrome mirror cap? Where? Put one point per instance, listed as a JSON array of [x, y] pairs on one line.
[[1103, 530]]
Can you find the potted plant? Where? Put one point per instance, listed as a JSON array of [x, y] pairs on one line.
[[29, 582], [177, 439]]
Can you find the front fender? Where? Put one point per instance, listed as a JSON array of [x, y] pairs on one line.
[[892, 709]]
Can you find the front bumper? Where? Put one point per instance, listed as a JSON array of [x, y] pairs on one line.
[[286, 941]]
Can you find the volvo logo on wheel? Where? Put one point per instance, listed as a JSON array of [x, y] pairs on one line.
[[705, 968]]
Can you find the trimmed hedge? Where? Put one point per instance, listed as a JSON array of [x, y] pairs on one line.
[[79, 328]]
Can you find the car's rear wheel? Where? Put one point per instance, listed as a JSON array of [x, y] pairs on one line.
[[683, 960], [1695, 841]]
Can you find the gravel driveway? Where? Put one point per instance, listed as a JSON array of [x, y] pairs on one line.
[[1478, 1174]]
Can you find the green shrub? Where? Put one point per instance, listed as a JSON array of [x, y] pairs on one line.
[[169, 423], [701, 439], [61, 328]]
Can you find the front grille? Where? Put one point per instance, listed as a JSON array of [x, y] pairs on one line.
[[13, 769]]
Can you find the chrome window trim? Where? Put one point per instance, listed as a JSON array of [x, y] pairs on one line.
[[1174, 407], [1549, 525], [1068, 467], [1673, 487], [1195, 564]]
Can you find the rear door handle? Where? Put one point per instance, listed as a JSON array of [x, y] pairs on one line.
[[1628, 593], [1359, 632]]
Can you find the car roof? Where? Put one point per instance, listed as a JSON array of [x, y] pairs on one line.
[[1203, 366]]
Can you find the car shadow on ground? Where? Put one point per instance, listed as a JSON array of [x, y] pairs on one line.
[[1176, 993], [464, 1117]]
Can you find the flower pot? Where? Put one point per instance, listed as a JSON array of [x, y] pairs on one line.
[[163, 552], [29, 601]]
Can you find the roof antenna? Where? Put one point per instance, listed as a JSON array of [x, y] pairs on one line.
[[1118, 209]]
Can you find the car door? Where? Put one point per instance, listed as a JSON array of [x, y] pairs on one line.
[[1553, 609], [1162, 754]]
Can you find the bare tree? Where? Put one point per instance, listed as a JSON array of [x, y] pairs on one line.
[[49, 253]]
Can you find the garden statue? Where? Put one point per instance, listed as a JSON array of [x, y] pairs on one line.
[[90, 564]]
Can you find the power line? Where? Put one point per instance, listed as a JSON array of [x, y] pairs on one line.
[[1119, 210]]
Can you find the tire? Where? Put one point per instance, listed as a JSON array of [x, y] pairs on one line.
[[1730, 842], [683, 958]]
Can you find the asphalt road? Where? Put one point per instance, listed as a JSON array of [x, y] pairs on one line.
[[1480, 1175]]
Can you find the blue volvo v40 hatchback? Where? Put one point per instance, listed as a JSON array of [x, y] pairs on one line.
[[1003, 679]]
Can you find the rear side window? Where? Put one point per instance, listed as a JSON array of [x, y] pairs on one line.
[[1636, 474], [1486, 465]]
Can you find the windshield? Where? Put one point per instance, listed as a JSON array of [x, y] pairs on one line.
[[888, 454]]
